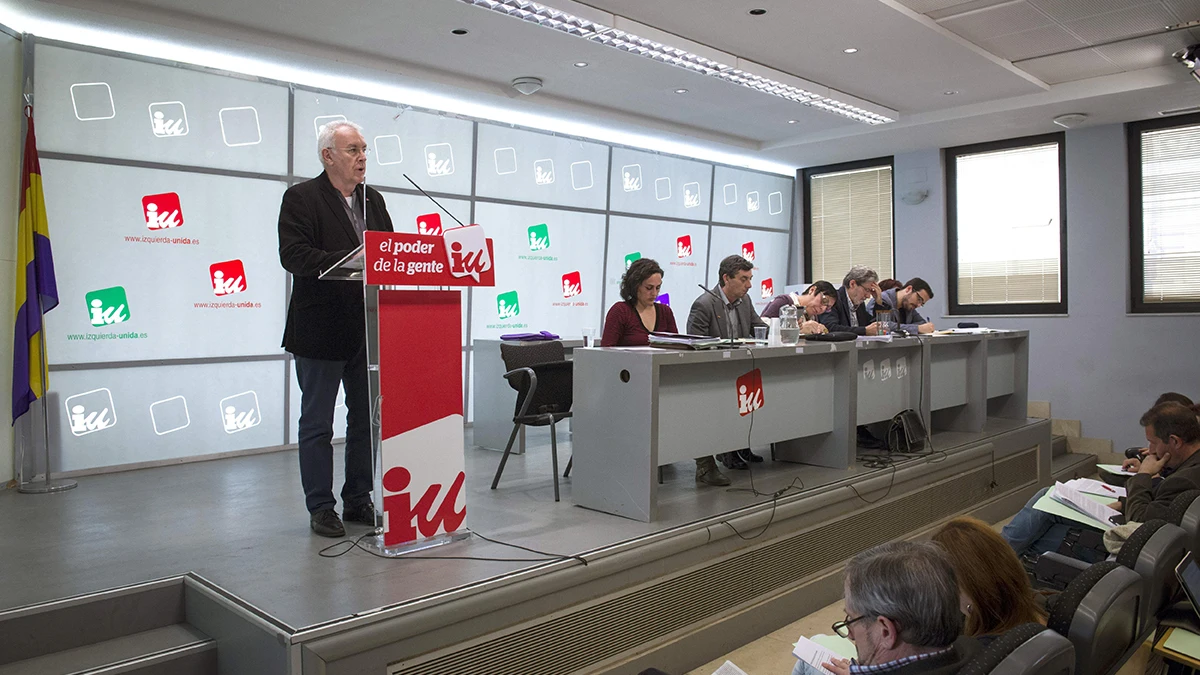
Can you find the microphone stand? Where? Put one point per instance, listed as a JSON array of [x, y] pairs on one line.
[[721, 308]]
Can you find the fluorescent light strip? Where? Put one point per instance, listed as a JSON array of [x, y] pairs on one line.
[[628, 42]]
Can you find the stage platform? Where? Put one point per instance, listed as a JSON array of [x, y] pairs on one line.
[[240, 526]]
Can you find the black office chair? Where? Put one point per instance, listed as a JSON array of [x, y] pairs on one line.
[[1185, 512], [542, 378], [1028, 649], [1098, 613]]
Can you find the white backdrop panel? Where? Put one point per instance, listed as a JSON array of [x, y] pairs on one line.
[[531, 167], [750, 198], [770, 258], [681, 249], [658, 185]]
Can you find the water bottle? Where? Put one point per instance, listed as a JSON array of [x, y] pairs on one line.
[[789, 328]]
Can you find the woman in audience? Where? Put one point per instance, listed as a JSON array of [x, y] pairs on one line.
[[889, 284], [996, 591], [630, 321], [812, 303]]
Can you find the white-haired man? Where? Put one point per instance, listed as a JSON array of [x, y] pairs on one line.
[[320, 222]]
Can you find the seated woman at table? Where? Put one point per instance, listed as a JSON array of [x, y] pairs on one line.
[[812, 303], [630, 322]]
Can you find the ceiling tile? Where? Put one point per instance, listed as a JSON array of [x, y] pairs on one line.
[[1073, 10], [996, 21], [1127, 22], [1146, 52], [1031, 43], [964, 7], [927, 6], [1185, 10], [1069, 67]]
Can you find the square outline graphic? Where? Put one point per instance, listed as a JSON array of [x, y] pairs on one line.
[[328, 118], [535, 171], [656, 191], [186, 126], [186, 414], [725, 194], [111, 407], [111, 106], [771, 203], [425, 157], [639, 177], [496, 160], [257, 125], [591, 175], [379, 155], [759, 203], [257, 408], [698, 198]]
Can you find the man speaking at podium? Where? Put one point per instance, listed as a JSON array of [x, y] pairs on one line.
[[320, 222]]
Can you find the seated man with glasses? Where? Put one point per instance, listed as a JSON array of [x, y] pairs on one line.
[[903, 302], [902, 613]]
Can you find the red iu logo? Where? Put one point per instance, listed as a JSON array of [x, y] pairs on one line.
[[748, 251], [572, 285], [430, 223], [162, 211], [400, 513], [750, 392], [768, 288], [227, 277], [683, 246]]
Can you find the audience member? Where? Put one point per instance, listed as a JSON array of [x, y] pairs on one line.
[[850, 313], [903, 302], [888, 284], [630, 321]]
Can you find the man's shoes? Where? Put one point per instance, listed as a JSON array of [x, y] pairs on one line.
[[732, 460], [748, 456], [326, 523], [364, 513], [708, 474]]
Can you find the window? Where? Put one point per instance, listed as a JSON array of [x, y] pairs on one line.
[[848, 219], [1006, 226], [1164, 218]]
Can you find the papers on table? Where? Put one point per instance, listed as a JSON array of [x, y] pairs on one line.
[[728, 668], [1095, 487], [1065, 501], [1115, 469], [823, 649], [1183, 642], [684, 341], [875, 338]]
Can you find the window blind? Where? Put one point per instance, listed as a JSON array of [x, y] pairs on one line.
[[851, 222], [1171, 215], [1008, 210]]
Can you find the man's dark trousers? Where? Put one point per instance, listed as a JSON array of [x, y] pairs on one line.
[[318, 380]]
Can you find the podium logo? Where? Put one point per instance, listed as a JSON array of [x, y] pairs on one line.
[[752, 203], [507, 305], [467, 251], [748, 251], [90, 411], [572, 285], [539, 237], [629, 259], [683, 246], [227, 277], [240, 412], [399, 511], [768, 289], [107, 306], [162, 211], [430, 223], [750, 392], [168, 118]]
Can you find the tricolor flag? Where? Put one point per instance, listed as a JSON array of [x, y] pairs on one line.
[[35, 278]]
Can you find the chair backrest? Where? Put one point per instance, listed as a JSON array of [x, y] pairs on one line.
[[1153, 551], [1185, 512], [525, 354], [1028, 649], [1098, 613]]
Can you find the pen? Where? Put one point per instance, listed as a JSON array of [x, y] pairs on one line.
[[1109, 489]]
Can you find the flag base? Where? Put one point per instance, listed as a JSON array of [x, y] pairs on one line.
[[41, 487], [376, 543]]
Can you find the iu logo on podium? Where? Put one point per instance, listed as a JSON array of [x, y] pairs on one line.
[[430, 223], [748, 251], [571, 284], [400, 512], [227, 277], [162, 211], [768, 289], [750, 392], [683, 246], [467, 251]]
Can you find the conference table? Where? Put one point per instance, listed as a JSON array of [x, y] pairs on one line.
[[639, 408]]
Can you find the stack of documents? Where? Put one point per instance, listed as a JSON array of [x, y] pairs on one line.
[[684, 341], [1115, 469], [1073, 504], [1095, 487], [875, 338], [821, 649]]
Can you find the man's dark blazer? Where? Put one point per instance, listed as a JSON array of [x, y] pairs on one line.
[[325, 319], [708, 317], [837, 319]]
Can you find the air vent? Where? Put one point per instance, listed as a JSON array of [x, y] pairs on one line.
[[1179, 111]]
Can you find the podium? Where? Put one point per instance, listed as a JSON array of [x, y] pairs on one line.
[[414, 362]]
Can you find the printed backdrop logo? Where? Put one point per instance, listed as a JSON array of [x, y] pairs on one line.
[[90, 411], [683, 246], [439, 159], [572, 285], [750, 392], [107, 306], [748, 251], [227, 277], [162, 211], [240, 412], [539, 237], [752, 203], [543, 171], [430, 223], [507, 305], [768, 289], [168, 118], [629, 259]]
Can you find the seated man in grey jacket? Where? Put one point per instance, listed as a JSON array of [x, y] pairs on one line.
[[903, 303]]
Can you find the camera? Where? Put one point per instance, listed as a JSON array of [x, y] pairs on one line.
[[1190, 58]]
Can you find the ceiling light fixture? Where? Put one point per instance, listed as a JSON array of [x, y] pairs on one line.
[[608, 36], [757, 12], [581, 64], [791, 121], [949, 92], [460, 31], [1070, 120], [527, 85], [850, 50], [681, 91]]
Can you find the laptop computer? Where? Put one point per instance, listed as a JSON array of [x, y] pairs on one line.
[[1188, 573]]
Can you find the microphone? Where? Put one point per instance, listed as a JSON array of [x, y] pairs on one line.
[[721, 305], [1134, 453]]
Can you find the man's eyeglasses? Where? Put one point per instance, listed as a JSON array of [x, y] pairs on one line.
[[842, 628], [355, 151]]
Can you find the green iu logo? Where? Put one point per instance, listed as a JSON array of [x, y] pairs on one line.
[[636, 255], [507, 305], [539, 237], [107, 306]]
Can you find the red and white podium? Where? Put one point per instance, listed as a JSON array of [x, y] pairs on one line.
[[414, 357]]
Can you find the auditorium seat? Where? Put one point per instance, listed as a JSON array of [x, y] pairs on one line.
[[1185, 512], [1153, 551], [1028, 649], [1098, 613]]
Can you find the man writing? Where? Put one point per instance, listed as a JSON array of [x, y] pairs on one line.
[[320, 222], [903, 302], [849, 313]]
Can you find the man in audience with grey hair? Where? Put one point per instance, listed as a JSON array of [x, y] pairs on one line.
[[902, 613], [850, 314]]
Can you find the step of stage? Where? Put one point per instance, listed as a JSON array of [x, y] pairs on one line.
[[1058, 446], [178, 649], [1070, 465]]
